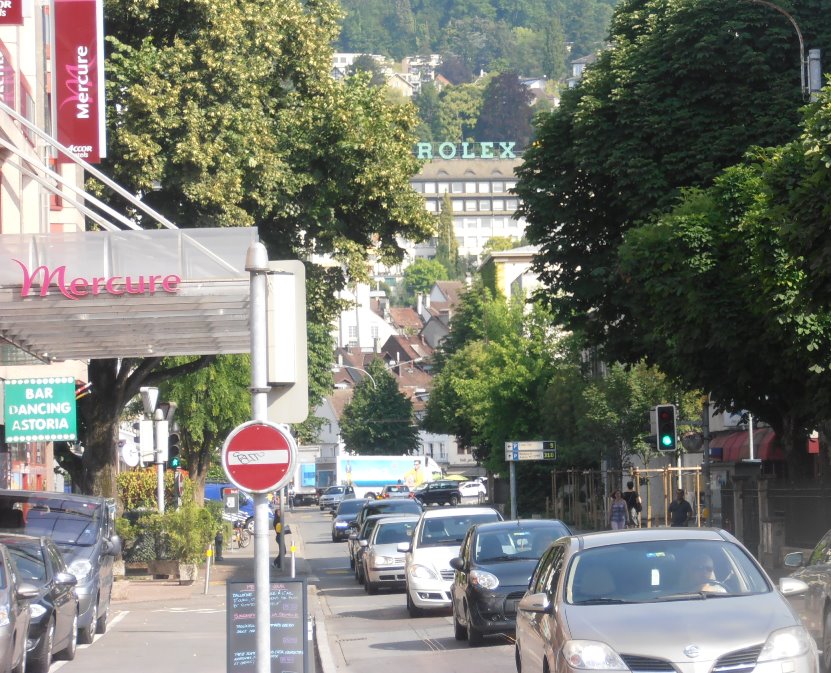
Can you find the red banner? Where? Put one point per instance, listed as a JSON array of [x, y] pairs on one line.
[[11, 12], [79, 77]]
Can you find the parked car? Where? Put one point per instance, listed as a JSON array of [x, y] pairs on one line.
[[344, 515], [472, 489], [333, 496], [441, 492], [381, 563], [814, 604], [14, 614], [53, 627], [354, 548], [391, 506], [436, 540], [83, 528], [657, 599], [394, 491], [493, 567]]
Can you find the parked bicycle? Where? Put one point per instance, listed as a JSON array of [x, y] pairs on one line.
[[241, 536]]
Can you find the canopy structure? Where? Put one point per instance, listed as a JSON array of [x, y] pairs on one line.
[[119, 294], [735, 446]]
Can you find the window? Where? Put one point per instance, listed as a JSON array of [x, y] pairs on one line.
[[373, 330], [470, 242], [418, 187], [429, 188], [457, 187], [444, 187], [457, 206], [471, 222], [483, 187], [353, 331], [499, 204], [432, 205], [484, 204], [498, 187], [511, 204], [470, 188], [510, 185], [470, 206]]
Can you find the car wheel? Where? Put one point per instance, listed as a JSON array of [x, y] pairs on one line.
[[459, 631], [334, 539], [359, 573], [68, 653], [474, 635], [825, 659], [40, 659], [249, 524], [412, 608], [85, 636], [454, 500], [517, 659]]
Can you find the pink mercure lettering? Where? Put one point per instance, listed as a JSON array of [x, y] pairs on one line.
[[131, 286], [78, 287], [48, 279], [171, 283], [97, 283], [151, 283], [111, 283]]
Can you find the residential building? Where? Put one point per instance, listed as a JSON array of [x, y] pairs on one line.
[[509, 272]]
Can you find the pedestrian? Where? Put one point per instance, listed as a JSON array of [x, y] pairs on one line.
[[278, 531], [617, 511], [680, 511], [219, 543], [633, 504], [291, 497]]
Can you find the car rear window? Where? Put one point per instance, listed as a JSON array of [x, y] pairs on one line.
[[447, 530], [64, 521], [350, 506], [404, 505]]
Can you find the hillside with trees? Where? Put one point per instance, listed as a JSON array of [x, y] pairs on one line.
[[528, 36]]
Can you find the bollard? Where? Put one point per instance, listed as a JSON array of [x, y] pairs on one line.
[[209, 553], [292, 560]]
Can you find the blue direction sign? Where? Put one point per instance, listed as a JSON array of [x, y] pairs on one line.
[[538, 450]]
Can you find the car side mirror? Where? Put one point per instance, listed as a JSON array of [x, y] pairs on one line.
[[363, 543], [67, 579], [404, 547], [26, 591], [537, 603], [457, 563], [112, 547], [793, 560], [790, 586]]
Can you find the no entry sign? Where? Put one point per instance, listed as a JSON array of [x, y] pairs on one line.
[[259, 456]]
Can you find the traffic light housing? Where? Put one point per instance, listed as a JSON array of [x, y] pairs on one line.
[[174, 448], [667, 433]]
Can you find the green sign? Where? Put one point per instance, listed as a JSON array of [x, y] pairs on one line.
[[40, 410]]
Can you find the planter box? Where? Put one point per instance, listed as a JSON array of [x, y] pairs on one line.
[[186, 573]]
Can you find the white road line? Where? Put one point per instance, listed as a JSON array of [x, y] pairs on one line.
[[57, 665]]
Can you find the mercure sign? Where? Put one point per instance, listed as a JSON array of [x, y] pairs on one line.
[[75, 288]]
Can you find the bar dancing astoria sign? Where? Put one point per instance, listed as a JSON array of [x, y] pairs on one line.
[[40, 410]]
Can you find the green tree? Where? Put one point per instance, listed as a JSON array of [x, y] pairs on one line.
[[506, 111], [500, 243], [554, 50], [447, 247], [366, 64], [379, 421], [211, 402], [420, 276], [649, 118], [460, 106]]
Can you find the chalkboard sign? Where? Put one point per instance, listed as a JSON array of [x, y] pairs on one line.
[[289, 641]]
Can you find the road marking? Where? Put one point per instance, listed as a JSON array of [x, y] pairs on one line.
[[196, 611], [57, 665]]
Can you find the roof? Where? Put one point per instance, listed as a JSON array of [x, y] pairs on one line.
[[405, 318], [458, 510], [120, 294], [339, 398], [452, 289], [630, 535]]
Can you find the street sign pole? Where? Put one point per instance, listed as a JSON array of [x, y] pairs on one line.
[[256, 263]]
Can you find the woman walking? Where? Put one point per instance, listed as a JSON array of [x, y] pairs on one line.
[[618, 511]]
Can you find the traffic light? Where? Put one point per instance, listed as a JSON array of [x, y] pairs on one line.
[[667, 435], [174, 447]]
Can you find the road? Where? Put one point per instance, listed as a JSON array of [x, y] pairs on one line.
[[185, 632], [366, 634]]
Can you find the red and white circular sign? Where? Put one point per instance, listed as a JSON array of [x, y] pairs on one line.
[[259, 456]]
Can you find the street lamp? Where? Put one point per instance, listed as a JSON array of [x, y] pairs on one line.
[[338, 367]]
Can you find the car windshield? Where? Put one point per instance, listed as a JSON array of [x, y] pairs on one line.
[[334, 490], [28, 558], [400, 505], [393, 532], [396, 488], [65, 521], [664, 570], [449, 530], [350, 506], [514, 544]]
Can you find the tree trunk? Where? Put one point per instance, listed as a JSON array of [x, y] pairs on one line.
[[794, 440]]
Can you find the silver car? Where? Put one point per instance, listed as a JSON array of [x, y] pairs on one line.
[[663, 600], [383, 564]]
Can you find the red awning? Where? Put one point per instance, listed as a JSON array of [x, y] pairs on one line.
[[731, 447]]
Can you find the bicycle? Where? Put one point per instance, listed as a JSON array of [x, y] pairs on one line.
[[241, 537]]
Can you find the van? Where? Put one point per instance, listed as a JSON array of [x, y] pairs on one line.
[[83, 528], [245, 516]]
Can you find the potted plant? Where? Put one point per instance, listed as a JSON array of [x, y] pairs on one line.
[[182, 537]]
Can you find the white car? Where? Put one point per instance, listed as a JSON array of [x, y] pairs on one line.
[[472, 489], [436, 539]]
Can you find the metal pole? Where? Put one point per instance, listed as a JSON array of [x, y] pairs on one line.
[[705, 433], [750, 434], [513, 489], [159, 426], [256, 262]]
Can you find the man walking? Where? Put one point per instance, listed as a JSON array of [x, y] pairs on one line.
[[680, 511], [633, 505]]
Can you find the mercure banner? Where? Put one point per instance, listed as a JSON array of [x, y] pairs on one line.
[[79, 77]]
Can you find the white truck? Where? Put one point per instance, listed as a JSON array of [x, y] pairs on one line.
[[305, 478], [369, 474]]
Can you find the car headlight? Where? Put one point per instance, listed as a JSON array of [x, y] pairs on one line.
[[81, 568], [341, 524], [793, 641], [381, 560], [592, 654], [36, 610], [481, 578], [421, 572]]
